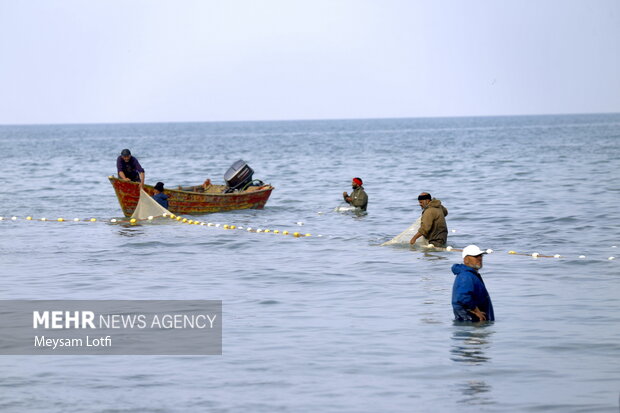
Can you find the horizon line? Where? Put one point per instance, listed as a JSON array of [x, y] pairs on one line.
[[309, 119]]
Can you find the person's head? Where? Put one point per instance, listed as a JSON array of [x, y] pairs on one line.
[[159, 187], [356, 182], [126, 154], [472, 256], [424, 199]]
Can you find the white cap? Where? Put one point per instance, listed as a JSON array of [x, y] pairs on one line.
[[472, 250]]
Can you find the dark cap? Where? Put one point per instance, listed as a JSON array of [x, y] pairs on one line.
[[125, 152], [159, 186]]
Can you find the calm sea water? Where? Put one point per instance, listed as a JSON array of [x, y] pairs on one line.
[[332, 323]]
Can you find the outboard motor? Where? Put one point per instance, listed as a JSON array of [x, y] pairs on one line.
[[238, 176]]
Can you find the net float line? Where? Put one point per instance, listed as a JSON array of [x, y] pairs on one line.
[[178, 218]]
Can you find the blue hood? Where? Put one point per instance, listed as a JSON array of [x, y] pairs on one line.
[[459, 268]]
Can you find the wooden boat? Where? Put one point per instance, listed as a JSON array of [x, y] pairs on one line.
[[199, 199]]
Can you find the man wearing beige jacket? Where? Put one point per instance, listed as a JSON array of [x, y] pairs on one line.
[[433, 226]]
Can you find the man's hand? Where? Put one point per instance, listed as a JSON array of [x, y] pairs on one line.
[[415, 238], [482, 316], [344, 194], [125, 179]]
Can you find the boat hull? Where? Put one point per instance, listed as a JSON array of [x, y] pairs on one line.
[[190, 202]]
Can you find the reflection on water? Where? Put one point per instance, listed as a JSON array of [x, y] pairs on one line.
[[469, 345], [470, 342], [475, 392], [435, 257], [130, 231]]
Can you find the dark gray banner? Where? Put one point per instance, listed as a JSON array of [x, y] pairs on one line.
[[147, 327]]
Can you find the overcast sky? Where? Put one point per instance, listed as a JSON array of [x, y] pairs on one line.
[[156, 61]]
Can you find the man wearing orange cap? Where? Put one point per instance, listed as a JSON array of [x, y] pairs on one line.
[[358, 197]]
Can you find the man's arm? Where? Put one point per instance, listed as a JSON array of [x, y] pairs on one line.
[[427, 222], [119, 168], [415, 238], [136, 165], [425, 227], [140, 170]]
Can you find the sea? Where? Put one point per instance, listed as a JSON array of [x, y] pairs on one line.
[[331, 322]]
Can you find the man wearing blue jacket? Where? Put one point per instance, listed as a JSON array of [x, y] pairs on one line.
[[470, 298]]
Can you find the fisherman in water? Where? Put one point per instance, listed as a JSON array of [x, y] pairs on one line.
[[470, 298], [358, 197], [433, 226]]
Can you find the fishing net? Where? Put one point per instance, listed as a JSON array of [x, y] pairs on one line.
[[148, 207], [345, 208], [405, 236]]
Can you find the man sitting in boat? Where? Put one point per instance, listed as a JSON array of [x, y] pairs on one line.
[[129, 169], [159, 196]]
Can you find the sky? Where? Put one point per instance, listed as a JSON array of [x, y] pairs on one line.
[[109, 61]]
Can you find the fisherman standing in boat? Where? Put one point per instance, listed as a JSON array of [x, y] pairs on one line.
[[129, 169], [433, 225], [358, 197]]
